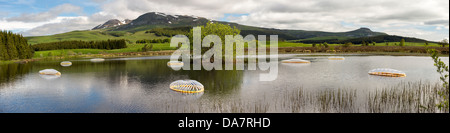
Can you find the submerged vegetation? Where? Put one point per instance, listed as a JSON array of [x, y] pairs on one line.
[[404, 98]]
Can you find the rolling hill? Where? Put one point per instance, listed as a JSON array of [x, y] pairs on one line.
[[133, 30]]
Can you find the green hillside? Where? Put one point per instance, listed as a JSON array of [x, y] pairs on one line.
[[93, 35], [136, 30]]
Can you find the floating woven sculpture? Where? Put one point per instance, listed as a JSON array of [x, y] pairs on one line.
[[295, 61], [97, 60], [66, 63], [187, 86], [175, 64], [49, 72], [336, 58], [387, 72]]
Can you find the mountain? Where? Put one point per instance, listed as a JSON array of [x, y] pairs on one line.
[[112, 23], [160, 20], [136, 29], [381, 39], [155, 19]]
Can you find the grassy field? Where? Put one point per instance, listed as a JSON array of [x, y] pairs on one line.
[[130, 48], [323, 38], [408, 44], [166, 46], [293, 44], [93, 35]]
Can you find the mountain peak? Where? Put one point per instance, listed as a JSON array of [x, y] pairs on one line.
[[364, 29], [112, 23], [364, 32], [159, 19]]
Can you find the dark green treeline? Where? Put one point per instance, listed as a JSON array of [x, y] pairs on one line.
[[107, 44], [14, 46]]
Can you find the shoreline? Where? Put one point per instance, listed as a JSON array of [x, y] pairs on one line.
[[169, 52]]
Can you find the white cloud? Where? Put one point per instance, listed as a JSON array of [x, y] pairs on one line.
[[318, 15], [45, 16], [14, 25], [400, 17], [65, 24]]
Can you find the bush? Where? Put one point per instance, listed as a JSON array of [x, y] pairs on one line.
[[71, 53], [402, 43], [325, 44], [346, 45], [442, 69]]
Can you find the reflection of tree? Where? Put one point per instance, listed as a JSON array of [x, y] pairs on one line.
[[146, 71], [150, 71], [218, 82], [11, 72]]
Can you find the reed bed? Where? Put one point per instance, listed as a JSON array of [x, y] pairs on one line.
[[404, 98]]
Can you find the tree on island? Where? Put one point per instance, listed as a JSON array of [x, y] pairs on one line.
[[402, 43], [444, 42], [325, 44], [215, 29], [347, 44]]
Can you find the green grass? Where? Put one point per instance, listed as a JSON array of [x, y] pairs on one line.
[[93, 35], [130, 48], [166, 46], [408, 44], [324, 38], [293, 44]]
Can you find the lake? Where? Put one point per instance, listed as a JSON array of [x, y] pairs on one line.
[[141, 84]]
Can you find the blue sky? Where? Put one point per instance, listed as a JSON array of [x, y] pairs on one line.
[[17, 7], [412, 18]]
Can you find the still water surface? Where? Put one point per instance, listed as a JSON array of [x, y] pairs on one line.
[[141, 84]]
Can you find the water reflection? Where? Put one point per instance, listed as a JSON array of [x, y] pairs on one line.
[[142, 84], [11, 72]]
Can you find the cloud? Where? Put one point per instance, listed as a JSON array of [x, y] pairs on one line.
[[65, 24], [438, 22], [45, 16], [401, 17]]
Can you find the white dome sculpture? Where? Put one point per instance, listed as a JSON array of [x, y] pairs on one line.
[[175, 64], [187, 86], [336, 58], [387, 72], [97, 60], [49, 72], [295, 61], [66, 63]]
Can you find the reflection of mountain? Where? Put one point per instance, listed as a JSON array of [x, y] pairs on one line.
[[149, 72], [11, 72]]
